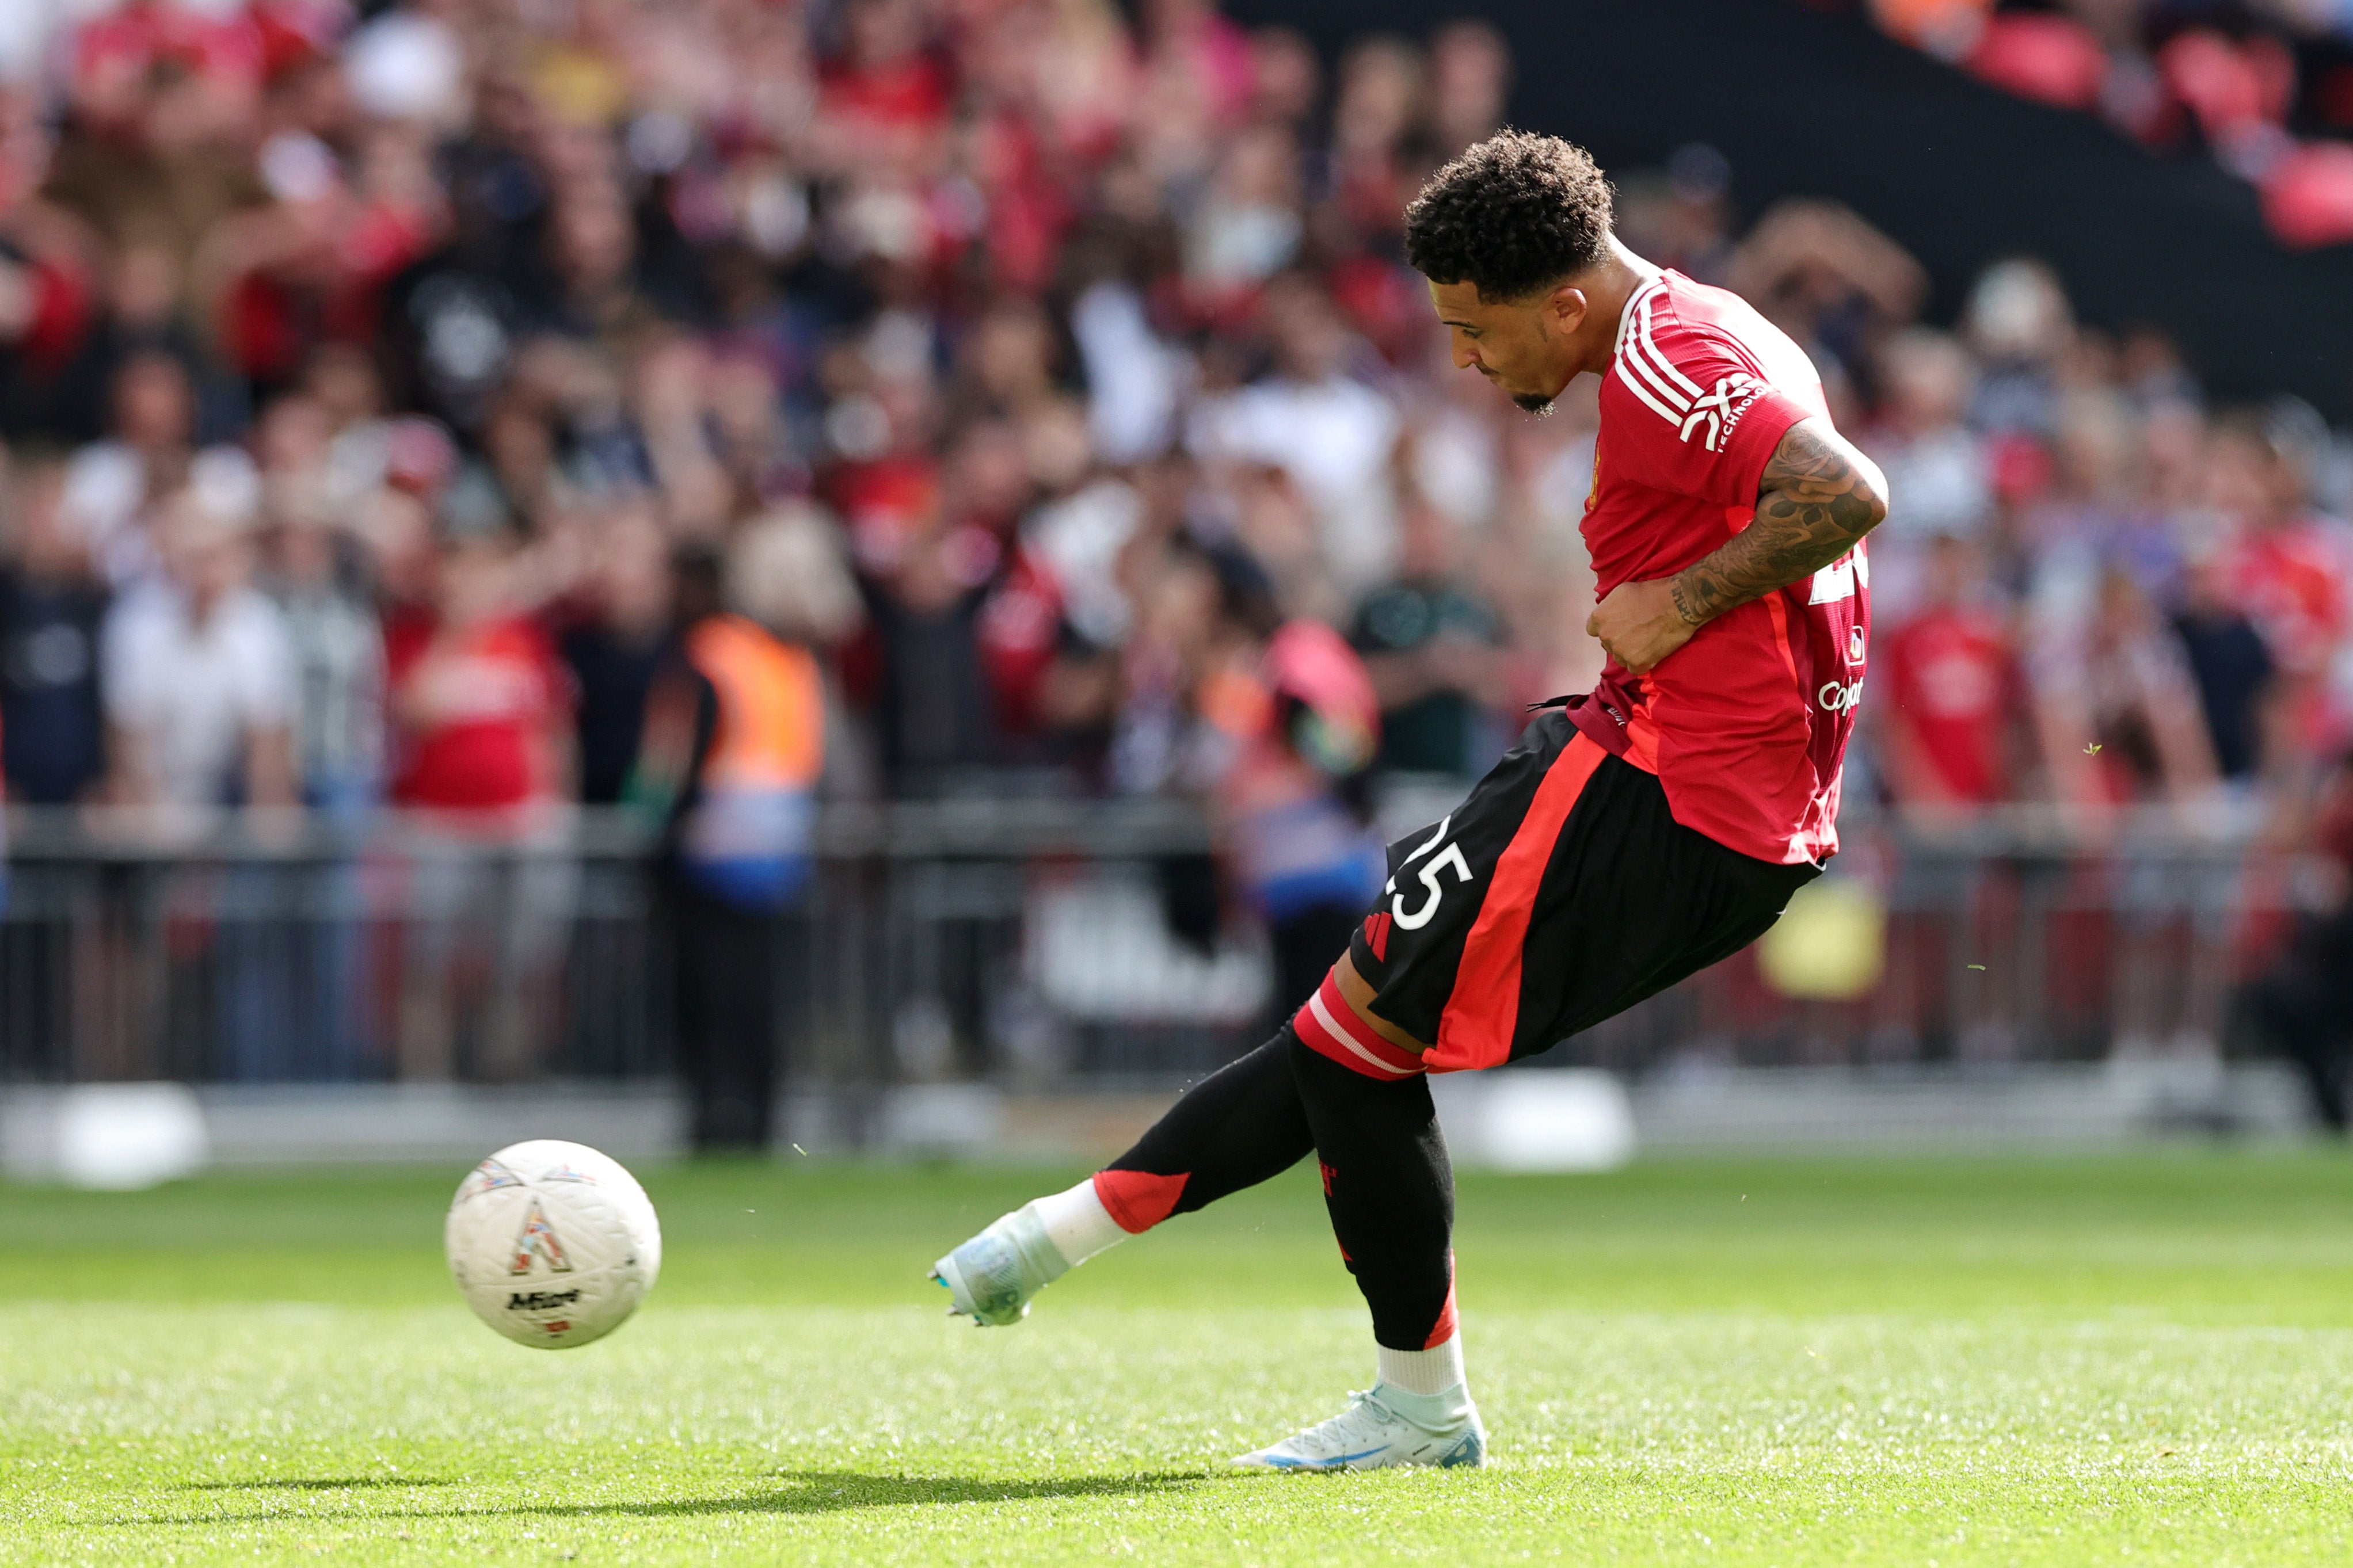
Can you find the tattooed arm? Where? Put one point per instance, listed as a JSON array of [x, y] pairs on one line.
[[1817, 496]]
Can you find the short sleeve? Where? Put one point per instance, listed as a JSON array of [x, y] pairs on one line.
[[1707, 420]]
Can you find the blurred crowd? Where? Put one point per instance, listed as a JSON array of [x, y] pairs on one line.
[[373, 379], [2094, 588], [2264, 86]]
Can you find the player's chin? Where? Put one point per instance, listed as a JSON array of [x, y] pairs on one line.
[[1535, 403]]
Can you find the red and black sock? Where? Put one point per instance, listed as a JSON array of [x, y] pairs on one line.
[[1389, 1189], [1238, 1127], [1324, 1083]]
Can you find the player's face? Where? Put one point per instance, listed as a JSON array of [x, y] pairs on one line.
[[1516, 344]]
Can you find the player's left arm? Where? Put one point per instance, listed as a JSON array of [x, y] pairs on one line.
[[1817, 496]]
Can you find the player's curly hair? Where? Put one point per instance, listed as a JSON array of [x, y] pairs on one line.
[[1511, 215]]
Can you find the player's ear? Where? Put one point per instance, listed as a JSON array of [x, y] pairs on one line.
[[1564, 308]]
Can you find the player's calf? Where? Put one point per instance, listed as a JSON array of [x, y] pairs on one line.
[[1389, 1190]]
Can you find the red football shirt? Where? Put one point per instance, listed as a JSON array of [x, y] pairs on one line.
[[2292, 582], [1955, 686], [1746, 725], [491, 754]]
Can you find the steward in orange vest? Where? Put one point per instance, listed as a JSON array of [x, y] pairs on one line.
[[733, 747], [734, 742]]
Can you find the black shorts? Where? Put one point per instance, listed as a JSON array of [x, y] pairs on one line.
[[1560, 892]]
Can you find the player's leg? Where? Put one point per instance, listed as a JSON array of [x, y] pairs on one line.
[[1562, 892], [1561, 855], [1389, 1190], [1238, 1127], [1387, 1182], [1364, 1037], [1235, 1129]]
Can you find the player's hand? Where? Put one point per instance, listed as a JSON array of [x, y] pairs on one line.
[[1638, 624]]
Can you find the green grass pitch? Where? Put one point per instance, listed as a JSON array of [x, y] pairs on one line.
[[2137, 1359]]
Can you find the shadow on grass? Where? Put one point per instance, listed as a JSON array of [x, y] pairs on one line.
[[315, 1483], [830, 1491], [805, 1493]]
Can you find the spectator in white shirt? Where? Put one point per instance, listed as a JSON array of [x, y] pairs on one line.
[[1934, 461], [1329, 431], [198, 673], [150, 452]]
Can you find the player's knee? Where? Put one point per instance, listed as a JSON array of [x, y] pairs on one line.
[[1337, 1023]]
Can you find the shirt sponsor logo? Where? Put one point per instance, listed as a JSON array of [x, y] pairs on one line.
[[1720, 410], [1839, 698], [1668, 390]]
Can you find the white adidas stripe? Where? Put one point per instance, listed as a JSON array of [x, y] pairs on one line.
[[1633, 384], [1633, 356], [1642, 322], [1640, 370], [1324, 1016]]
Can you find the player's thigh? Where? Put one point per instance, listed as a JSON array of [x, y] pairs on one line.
[[1635, 902], [1460, 892], [1561, 892]]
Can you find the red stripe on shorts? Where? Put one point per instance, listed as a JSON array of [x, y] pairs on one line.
[[1484, 1009], [1330, 1028]]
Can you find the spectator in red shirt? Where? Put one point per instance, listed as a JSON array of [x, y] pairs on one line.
[[479, 699], [481, 715], [1951, 733], [887, 85], [1948, 731], [2290, 569]]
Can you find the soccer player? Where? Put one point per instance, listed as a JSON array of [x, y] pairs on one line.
[[1636, 835]]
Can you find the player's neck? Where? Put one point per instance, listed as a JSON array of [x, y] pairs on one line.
[[1612, 281]]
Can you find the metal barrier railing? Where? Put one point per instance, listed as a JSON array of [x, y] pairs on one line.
[[2031, 935], [1020, 940], [259, 946]]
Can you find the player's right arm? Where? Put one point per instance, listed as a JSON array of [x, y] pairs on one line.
[[1815, 499], [1818, 497]]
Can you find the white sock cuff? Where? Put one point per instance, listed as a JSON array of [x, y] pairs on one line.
[[1077, 1223], [1434, 1370]]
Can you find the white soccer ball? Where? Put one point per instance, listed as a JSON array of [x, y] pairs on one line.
[[552, 1244]]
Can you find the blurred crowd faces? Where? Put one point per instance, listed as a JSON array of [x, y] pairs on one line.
[[387, 392]]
